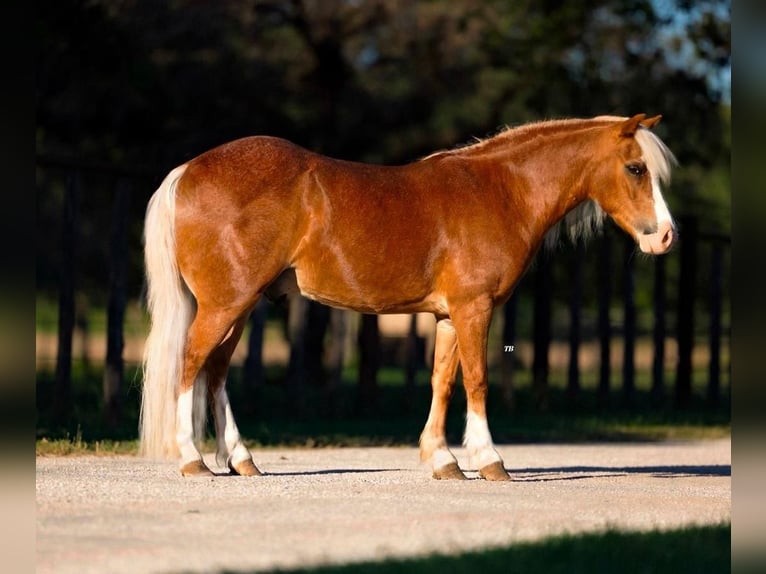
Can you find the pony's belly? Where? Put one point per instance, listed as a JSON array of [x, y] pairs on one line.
[[376, 299]]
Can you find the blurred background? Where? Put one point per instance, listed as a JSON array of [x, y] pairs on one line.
[[606, 343]]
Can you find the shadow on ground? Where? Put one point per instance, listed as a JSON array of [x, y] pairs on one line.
[[694, 550]]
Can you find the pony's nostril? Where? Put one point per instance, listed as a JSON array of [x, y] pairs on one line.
[[668, 235]]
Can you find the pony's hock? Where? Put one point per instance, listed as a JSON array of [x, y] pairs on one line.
[[450, 234]]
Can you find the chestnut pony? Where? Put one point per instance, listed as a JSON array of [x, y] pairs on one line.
[[450, 234]]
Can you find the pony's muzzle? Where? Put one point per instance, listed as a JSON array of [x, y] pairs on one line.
[[659, 242]]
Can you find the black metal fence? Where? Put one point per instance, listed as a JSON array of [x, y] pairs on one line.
[[686, 308]]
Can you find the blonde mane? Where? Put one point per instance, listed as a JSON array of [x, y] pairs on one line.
[[581, 223], [659, 159], [522, 133]]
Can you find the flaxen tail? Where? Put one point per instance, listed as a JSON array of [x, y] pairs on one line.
[[171, 308]]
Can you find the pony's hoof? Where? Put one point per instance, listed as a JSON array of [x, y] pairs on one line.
[[494, 471], [245, 468], [449, 472], [196, 469]]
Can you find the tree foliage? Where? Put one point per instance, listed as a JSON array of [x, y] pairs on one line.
[[152, 84]]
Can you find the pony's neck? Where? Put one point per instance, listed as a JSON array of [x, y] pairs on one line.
[[549, 169], [543, 171]]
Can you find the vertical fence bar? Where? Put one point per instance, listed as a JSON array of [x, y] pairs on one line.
[[317, 323], [659, 331], [629, 323], [369, 362], [716, 304], [542, 330], [575, 305], [336, 351], [604, 324], [297, 319], [410, 360], [114, 368], [253, 376], [508, 361], [686, 291], [63, 377]]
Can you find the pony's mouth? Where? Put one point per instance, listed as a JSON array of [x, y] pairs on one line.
[[659, 242]]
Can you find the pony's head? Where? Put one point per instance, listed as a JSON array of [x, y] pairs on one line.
[[629, 182]]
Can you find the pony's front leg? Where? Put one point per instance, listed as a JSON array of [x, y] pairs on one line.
[[472, 326], [208, 349], [433, 440]]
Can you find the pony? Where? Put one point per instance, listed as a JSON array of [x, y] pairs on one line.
[[450, 234]]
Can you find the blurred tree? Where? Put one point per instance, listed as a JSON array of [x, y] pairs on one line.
[[378, 80], [148, 85]]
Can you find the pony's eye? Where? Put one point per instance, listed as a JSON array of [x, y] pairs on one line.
[[636, 169]]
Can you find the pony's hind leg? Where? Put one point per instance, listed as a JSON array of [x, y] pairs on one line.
[[433, 440], [230, 450], [206, 332]]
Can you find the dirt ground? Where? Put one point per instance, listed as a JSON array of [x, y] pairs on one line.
[[341, 505]]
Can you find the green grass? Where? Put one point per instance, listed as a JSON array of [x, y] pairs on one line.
[[269, 416], [691, 550], [78, 447], [92, 316]]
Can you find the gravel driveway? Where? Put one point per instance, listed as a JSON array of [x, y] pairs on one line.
[[125, 514]]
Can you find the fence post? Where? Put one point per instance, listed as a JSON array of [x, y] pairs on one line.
[[369, 361], [297, 317], [114, 368], [716, 293], [508, 360], [658, 334], [317, 323], [253, 376], [688, 272], [541, 330], [63, 378], [575, 304], [604, 324], [336, 353], [410, 360], [629, 323]]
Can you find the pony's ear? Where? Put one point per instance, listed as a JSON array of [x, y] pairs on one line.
[[651, 122], [630, 126]]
